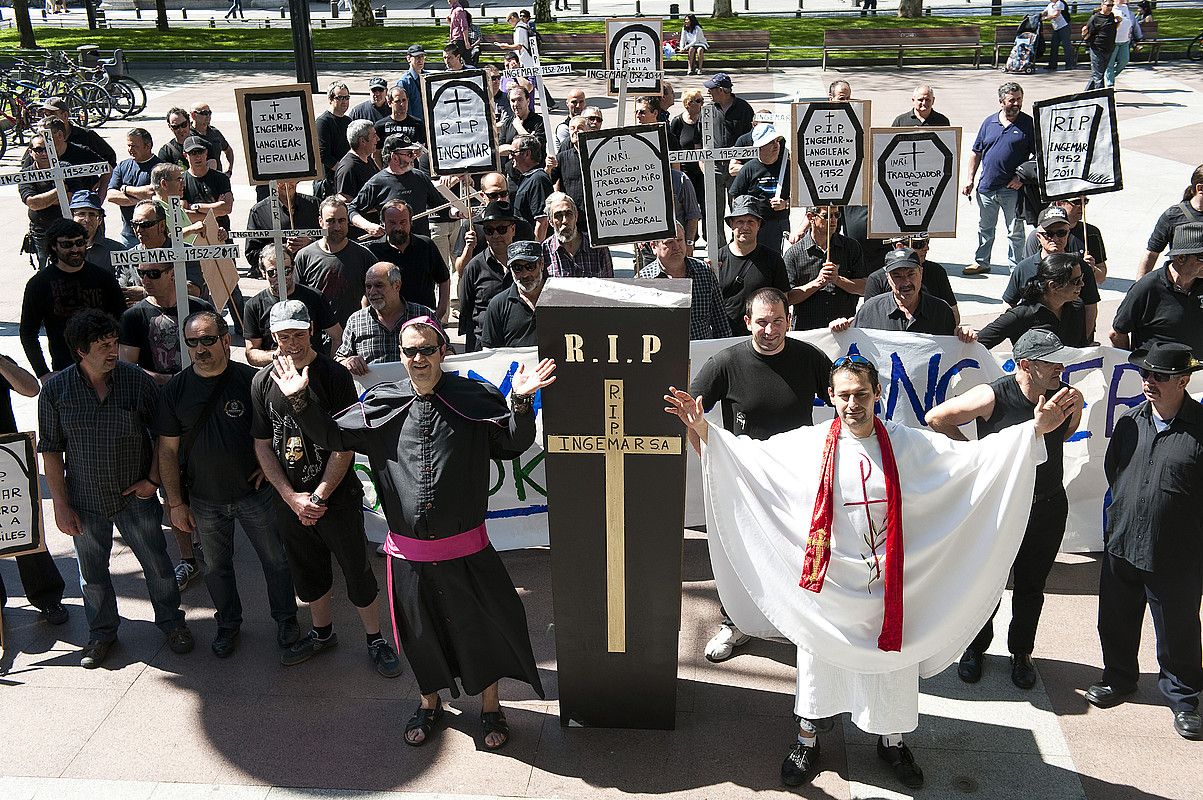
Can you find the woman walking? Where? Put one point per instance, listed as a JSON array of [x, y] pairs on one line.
[[1099, 35]]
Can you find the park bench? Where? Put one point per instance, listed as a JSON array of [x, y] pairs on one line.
[[953, 37], [555, 45], [723, 42]]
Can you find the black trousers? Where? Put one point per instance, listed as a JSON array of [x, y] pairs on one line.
[[1173, 602], [1041, 541], [42, 581]]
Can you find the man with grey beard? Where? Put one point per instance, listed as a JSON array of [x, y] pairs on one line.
[[510, 319], [567, 252]]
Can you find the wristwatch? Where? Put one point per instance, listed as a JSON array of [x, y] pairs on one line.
[[317, 500], [521, 402]]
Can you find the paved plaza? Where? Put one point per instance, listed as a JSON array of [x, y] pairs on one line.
[[150, 724]]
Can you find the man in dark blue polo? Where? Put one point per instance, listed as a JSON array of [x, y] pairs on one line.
[[1005, 141]]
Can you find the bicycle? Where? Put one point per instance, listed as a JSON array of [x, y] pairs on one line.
[[1194, 50]]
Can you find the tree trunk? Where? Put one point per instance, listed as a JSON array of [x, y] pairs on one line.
[[722, 8], [542, 10], [161, 15], [911, 9], [362, 15], [24, 26]]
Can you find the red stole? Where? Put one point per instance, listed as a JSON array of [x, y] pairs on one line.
[[818, 543]]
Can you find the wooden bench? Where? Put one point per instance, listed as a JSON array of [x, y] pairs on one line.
[[954, 37], [739, 42], [556, 45]]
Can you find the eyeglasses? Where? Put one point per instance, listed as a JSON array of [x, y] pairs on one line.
[[153, 274], [141, 226], [207, 341], [524, 266], [1159, 377], [72, 244], [38, 150], [593, 119], [271, 273], [696, 100], [427, 350], [851, 359], [342, 97], [1078, 281], [496, 194], [496, 230], [1060, 233], [180, 127], [918, 244], [203, 113]]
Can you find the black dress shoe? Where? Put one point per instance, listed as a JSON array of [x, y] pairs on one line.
[[1189, 725], [94, 653], [1023, 672], [1103, 695], [903, 763], [55, 613], [969, 668], [225, 642], [801, 764]]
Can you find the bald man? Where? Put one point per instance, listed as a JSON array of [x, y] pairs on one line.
[[922, 113]]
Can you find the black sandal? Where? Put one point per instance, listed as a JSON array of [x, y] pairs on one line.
[[494, 722], [424, 720]]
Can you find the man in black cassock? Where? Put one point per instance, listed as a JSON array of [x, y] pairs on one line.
[[429, 440]]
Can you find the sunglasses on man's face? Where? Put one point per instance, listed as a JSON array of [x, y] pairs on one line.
[[38, 150], [426, 350], [207, 341], [178, 127], [143, 225], [1059, 233], [495, 230], [271, 273], [205, 113], [522, 267], [1159, 377], [152, 274]]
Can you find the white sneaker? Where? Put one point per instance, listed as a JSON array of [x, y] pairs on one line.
[[723, 645]]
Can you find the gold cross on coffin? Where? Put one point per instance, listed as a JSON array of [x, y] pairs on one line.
[[615, 444]]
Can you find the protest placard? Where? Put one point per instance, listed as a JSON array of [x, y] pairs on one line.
[[1077, 145], [633, 44], [828, 147], [21, 530], [628, 190], [279, 132], [459, 131], [913, 181]]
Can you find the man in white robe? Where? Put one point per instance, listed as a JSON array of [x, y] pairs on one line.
[[836, 589]]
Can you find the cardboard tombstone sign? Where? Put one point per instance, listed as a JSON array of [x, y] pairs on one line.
[[913, 184], [628, 189], [634, 45], [279, 132], [1077, 145], [828, 147], [459, 122], [21, 530]]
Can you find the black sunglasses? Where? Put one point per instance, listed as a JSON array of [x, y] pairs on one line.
[[207, 341], [1160, 377], [1057, 234], [179, 127], [524, 266], [203, 113], [153, 274], [427, 350], [150, 223], [495, 230]]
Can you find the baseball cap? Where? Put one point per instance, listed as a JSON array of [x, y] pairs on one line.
[[765, 133], [289, 315], [377, 83], [719, 80], [528, 252], [1049, 216], [399, 141], [902, 258], [415, 50], [85, 199], [1040, 344], [196, 143], [54, 104]]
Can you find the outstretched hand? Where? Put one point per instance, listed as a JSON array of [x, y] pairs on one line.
[[527, 383], [291, 382], [1051, 412], [690, 411]]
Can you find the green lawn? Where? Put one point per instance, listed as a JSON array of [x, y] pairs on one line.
[[786, 33]]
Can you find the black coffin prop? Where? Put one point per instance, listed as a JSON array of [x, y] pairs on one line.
[[616, 494]]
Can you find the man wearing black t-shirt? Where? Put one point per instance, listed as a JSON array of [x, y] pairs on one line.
[[319, 499], [260, 347], [923, 112], [67, 285], [218, 145], [358, 165], [331, 126], [211, 477], [335, 265], [744, 266], [399, 120], [423, 271], [399, 180], [1166, 305], [41, 197], [1040, 359], [149, 330], [205, 188], [765, 385], [297, 211], [1190, 209]]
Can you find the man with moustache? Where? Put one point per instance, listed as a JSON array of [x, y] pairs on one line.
[[431, 438], [131, 182], [149, 330], [509, 320], [471, 240], [423, 271], [372, 333], [486, 274], [398, 181], [211, 478], [907, 306], [172, 152], [256, 315], [335, 265], [534, 184], [567, 252]]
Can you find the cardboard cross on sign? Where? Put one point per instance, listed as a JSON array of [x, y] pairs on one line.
[[179, 254], [615, 445], [57, 172], [278, 234]]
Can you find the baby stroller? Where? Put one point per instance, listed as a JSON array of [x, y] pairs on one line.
[[1023, 55]]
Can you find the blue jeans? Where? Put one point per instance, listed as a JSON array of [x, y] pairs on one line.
[[1098, 69], [1117, 62], [215, 525], [140, 523], [1060, 39], [989, 204]]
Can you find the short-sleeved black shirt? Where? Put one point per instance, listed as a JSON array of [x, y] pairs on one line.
[[932, 316], [508, 321], [256, 317], [761, 395], [303, 460], [1163, 231], [1154, 310], [740, 277], [935, 281], [422, 267], [155, 332], [1026, 270], [1075, 245], [221, 459], [208, 189], [338, 276]]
